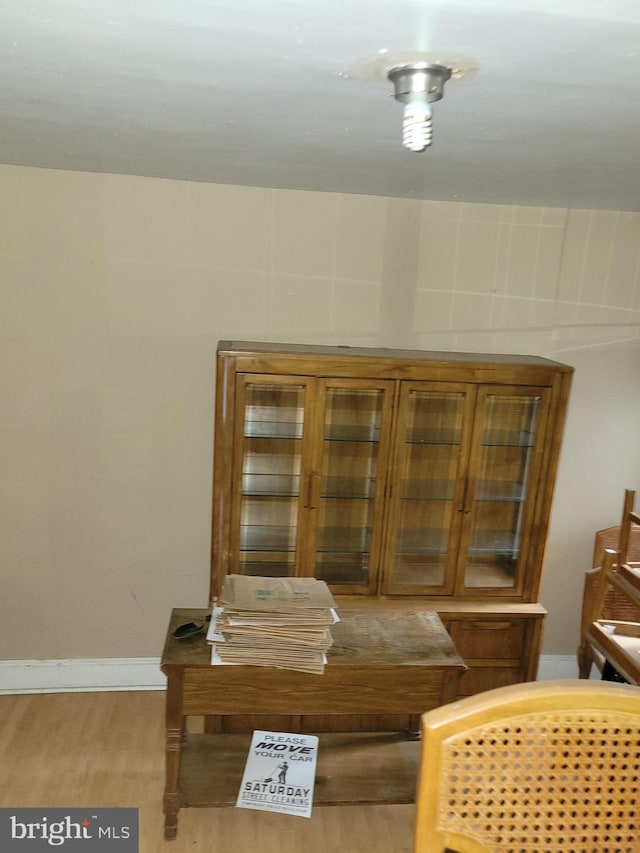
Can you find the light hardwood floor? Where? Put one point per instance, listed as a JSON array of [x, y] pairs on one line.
[[107, 749]]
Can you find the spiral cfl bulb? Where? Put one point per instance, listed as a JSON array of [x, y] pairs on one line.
[[417, 86], [417, 128]]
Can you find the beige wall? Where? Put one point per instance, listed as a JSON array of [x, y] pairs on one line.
[[113, 294]]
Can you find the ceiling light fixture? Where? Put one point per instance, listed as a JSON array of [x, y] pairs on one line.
[[417, 87], [418, 78]]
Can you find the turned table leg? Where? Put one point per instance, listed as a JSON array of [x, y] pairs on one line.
[[174, 739]]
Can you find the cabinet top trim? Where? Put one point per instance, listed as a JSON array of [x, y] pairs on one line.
[[249, 348]]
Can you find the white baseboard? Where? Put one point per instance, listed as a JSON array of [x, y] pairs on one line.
[[64, 676], [557, 666]]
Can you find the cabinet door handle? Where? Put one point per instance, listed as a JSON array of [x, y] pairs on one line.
[[465, 485], [469, 495], [311, 490]]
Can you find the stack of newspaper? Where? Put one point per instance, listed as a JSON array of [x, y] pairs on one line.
[[281, 622]]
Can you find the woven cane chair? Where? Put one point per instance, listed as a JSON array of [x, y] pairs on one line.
[[599, 600], [624, 537], [530, 768]]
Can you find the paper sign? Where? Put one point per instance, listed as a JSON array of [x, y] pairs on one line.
[[280, 773]]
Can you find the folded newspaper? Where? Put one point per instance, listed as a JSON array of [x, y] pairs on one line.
[[280, 622], [283, 594]]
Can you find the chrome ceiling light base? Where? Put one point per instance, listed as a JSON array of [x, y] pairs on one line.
[[417, 87]]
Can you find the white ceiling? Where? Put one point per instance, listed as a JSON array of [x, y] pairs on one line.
[[271, 93]]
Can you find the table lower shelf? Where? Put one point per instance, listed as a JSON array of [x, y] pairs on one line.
[[353, 768]]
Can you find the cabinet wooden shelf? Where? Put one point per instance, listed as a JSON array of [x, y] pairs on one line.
[[388, 473]]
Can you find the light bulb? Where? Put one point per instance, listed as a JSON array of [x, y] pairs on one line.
[[417, 130], [417, 87]]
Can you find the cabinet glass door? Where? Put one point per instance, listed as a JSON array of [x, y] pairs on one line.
[[272, 418], [432, 452], [310, 475], [498, 503], [348, 487]]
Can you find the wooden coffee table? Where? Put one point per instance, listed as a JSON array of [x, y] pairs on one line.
[[383, 661]]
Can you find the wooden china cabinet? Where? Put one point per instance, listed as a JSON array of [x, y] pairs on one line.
[[401, 478]]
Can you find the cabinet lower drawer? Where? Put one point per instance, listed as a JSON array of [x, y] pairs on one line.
[[488, 639], [498, 648], [479, 678]]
